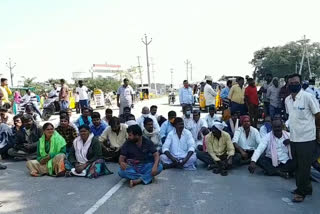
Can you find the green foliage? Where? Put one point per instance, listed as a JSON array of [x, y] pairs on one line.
[[105, 84], [284, 60], [40, 87]]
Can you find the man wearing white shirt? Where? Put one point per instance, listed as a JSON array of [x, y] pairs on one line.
[[304, 123], [31, 97], [125, 96], [82, 91], [146, 114], [277, 159], [212, 117], [246, 139], [198, 125], [209, 93], [179, 149]]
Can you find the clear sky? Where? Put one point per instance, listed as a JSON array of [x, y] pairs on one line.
[[52, 39]]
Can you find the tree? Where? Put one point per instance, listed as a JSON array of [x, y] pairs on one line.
[[283, 60]]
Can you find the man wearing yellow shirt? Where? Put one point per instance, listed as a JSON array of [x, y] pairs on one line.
[[5, 91], [236, 95]]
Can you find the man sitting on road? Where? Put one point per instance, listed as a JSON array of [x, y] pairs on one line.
[[85, 118], [179, 148], [6, 138], [277, 159], [112, 139], [152, 134], [212, 117], [246, 139], [98, 126], [167, 126], [29, 110], [139, 160], [68, 132], [25, 147], [153, 112], [5, 116], [108, 116], [131, 120], [146, 114], [233, 123], [220, 150], [187, 118], [198, 125], [266, 128], [124, 117]]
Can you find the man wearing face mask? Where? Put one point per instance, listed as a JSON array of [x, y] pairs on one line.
[[167, 126], [304, 122], [266, 128], [146, 114], [273, 94], [187, 118]]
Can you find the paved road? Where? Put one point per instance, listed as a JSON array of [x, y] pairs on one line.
[[174, 191]]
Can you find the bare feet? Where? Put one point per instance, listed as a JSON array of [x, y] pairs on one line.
[[134, 182]]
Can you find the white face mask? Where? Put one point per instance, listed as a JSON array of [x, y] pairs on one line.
[[145, 115]]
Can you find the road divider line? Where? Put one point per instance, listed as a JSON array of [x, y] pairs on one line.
[[104, 198]]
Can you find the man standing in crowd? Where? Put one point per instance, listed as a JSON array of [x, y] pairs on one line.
[[225, 91], [263, 90], [139, 160], [284, 93], [304, 123], [236, 96], [209, 93], [64, 95], [277, 159], [82, 91], [5, 91], [125, 96], [179, 148], [185, 96], [251, 97], [274, 98]]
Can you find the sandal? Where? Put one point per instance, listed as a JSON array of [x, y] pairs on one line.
[[2, 167], [298, 198]]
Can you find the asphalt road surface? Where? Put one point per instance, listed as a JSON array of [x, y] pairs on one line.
[[174, 191]]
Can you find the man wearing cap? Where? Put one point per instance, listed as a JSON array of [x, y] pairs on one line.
[[124, 96], [220, 150], [209, 93], [186, 96]]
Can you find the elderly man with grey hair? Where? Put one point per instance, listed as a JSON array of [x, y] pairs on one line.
[[146, 114]]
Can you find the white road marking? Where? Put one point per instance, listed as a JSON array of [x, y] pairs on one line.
[[104, 198]]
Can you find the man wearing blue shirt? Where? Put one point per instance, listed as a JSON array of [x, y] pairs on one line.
[[97, 126], [167, 126], [225, 91], [185, 95]]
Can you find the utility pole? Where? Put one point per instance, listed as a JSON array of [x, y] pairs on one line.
[[187, 62], [146, 43], [305, 54], [171, 71], [153, 74], [139, 67], [11, 67], [191, 71]]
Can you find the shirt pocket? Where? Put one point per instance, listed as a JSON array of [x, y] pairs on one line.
[[302, 112]]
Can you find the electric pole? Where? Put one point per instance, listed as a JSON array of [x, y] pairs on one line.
[[153, 74], [171, 71], [146, 43], [187, 62], [191, 71], [305, 54], [11, 67], [139, 67]]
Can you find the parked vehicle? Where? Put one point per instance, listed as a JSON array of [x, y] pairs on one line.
[[171, 98], [50, 106]]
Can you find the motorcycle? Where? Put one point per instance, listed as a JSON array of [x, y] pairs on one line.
[[172, 98], [50, 106]]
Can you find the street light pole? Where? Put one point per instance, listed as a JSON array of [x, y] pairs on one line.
[[187, 62], [153, 75], [11, 67], [146, 43]]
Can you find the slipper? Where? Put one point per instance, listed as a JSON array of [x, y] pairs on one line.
[[2, 167], [298, 198]]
